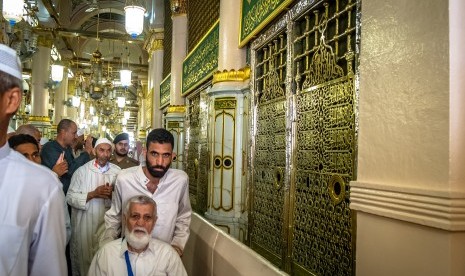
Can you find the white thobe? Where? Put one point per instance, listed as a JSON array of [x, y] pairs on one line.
[[87, 220], [32, 218], [158, 259], [173, 205]]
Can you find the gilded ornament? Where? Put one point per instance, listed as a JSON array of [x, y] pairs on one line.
[[231, 75], [176, 109]]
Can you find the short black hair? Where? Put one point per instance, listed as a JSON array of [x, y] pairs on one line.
[[160, 135], [64, 124], [8, 82], [20, 139]]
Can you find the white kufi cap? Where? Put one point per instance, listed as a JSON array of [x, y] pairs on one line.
[[9, 62], [103, 141]]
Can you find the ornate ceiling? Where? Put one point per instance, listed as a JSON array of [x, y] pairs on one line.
[[80, 27]]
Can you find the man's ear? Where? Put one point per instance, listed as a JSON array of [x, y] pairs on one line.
[[12, 100], [173, 156]]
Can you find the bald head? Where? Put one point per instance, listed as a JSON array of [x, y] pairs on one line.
[[29, 130]]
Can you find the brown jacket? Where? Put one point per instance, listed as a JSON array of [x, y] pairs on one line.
[[127, 162]]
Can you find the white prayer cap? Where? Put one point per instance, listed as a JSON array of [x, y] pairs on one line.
[[103, 141], [10, 130], [9, 62], [80, 132], [43, 141]]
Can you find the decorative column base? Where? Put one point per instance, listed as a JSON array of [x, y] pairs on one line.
[[43, 124], [174, 123]]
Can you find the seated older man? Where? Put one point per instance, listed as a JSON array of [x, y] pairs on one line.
[[138, 253]]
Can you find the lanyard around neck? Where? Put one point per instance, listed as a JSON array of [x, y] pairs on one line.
[[128, 263]]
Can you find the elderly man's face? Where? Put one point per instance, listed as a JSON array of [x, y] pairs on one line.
[[139, 224], [103, 153]]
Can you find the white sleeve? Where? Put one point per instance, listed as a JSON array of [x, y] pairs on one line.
[[77, 192], [49, 238], [183, 219], [113, 217]]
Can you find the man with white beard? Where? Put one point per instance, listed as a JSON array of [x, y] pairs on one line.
[[138, 253], [89, 195]]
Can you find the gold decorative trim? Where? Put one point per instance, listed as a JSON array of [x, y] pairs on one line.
[[42, 119], [178, 7], [173, 124], [337, 189], [157, 44], [142, 134], [176, 109], [232, 75], [225, 103], [44, 41]]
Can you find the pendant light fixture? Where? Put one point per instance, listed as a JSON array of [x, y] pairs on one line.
[[57, 71], [134, 18], [13, 11], [125, 73]]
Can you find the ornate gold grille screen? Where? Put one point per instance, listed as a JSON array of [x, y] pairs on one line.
[[305, 139], [197, 149]]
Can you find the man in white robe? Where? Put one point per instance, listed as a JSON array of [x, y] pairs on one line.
[[168, 187], [89, 195], [32, 210], [138, 253]]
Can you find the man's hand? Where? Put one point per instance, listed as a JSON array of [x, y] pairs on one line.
[[102, 191], [61, 166]]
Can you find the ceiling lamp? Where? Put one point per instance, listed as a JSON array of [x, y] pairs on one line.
[[134, 17], [127, 115], [121, 101], [13, 11], [125, 77], [57, 72]]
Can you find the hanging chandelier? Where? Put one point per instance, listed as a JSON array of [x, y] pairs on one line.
[[13, 11], [134, 18]]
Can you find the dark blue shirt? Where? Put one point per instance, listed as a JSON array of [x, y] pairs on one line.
[[51, 152]]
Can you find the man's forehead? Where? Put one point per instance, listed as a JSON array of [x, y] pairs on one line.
[[160, 146], [103, 146]]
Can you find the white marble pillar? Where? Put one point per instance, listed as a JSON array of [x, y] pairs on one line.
[[409, 195], [61, 94], [178, 53], [157, 77], [229, 127], [176, 111], [39, 91]]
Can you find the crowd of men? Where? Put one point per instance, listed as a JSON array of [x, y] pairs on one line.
[[120, 217]]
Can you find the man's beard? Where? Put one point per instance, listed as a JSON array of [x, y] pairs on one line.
[[121, 154], [157, 174], [102, 161], [137, 240]]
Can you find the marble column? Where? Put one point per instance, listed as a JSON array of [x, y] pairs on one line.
[[39, 89], [61, 95], [156, 79], [174, 120], [229, 126]]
